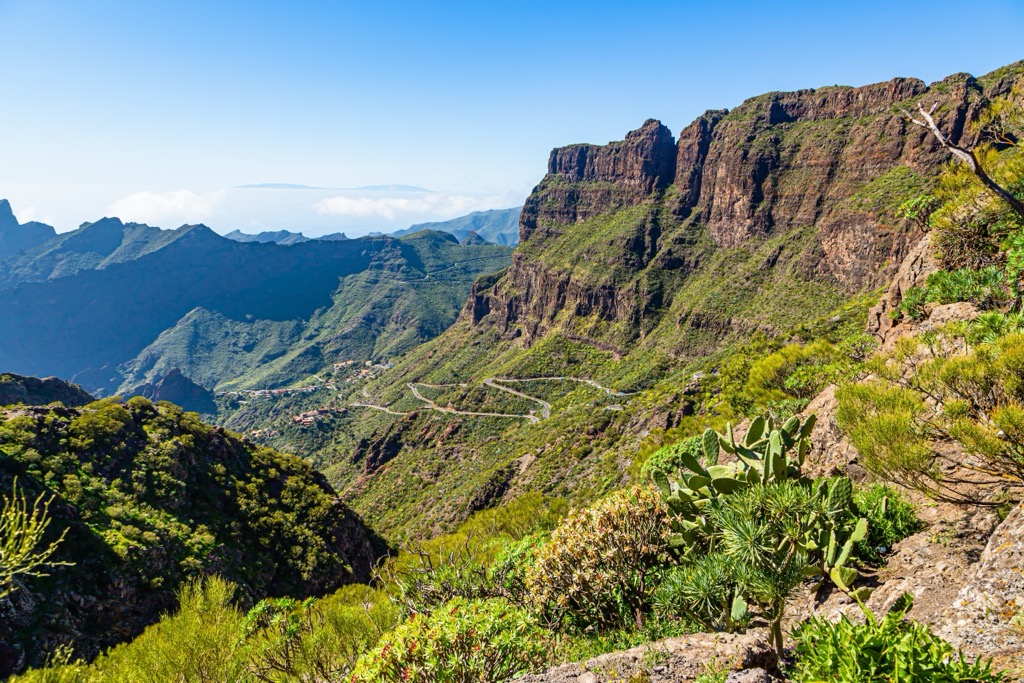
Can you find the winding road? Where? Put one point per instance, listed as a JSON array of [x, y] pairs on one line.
[[545, 410], [434, 406], [495, 383]]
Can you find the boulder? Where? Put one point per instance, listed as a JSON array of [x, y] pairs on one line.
[[674, 659], [987, 616]]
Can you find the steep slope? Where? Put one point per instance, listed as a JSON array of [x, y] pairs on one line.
[[409, 292], [641, 262], [497, 226], [149, 497], [16, 237], [117, 305]]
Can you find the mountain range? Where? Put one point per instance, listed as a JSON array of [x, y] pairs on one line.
[[497, 226], [115, 306]]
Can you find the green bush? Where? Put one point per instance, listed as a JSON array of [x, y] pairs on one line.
[[287, 639], [891, 518], [913, 304], [669, 459], [882, 651], [198, 643], [931, 387], [886, 425], [595, 570], [474, 561], [990, 326], [986, 288], [210, 640], [796, 371], [479, 641]]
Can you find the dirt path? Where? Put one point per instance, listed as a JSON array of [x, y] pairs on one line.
[[433, 406]]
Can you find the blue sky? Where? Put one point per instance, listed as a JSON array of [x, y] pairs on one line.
[[159, 111]]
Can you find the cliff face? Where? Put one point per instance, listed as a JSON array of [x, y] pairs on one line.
[[588, 180], [614, 233], [788, 160]]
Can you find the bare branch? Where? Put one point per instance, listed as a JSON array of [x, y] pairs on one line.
[[965, 155]]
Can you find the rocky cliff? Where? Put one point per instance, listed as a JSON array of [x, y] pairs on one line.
[[612, 232]]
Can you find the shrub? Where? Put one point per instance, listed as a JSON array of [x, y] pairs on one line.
[[426, 574], [594, 572], [483, 641], [990, 326], [886, 425], [23, 525], [199, 643], [890, 649], [669, 459], [986, 288], [913, 304], [509, 570], [287, 639], [473, 562], [703, 591], [795, 371], [891, 518], [932, 387]]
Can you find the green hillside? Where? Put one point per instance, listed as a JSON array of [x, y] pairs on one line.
[[116, 306], [149, 497]]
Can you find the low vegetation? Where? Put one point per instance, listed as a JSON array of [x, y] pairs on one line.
[[887, 649]]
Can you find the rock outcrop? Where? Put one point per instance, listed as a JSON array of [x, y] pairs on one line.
[[32, 391], [674, 660], [987, 616], [180, 390], [919, 263], [612, 232], [584, 181]]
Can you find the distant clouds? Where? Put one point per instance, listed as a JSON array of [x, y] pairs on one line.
[[172, 208], [423, 204], [311, 210]]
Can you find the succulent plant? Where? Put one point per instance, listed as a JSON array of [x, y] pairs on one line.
[[766, 454]]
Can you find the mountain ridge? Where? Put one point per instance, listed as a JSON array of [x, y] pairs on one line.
[[641, 263]]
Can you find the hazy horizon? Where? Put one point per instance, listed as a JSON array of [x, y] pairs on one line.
[[161, 114]]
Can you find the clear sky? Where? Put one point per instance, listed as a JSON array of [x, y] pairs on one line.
[[158, 111]]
